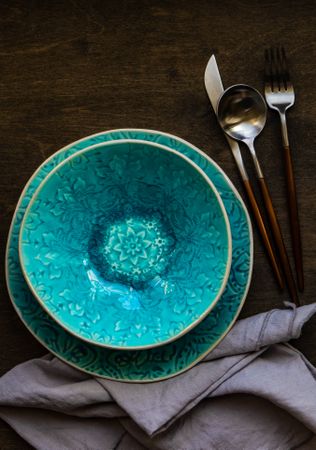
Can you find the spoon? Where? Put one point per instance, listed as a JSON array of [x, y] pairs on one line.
[[242, 114]]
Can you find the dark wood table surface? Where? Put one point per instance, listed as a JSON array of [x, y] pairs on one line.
[[74, 68]]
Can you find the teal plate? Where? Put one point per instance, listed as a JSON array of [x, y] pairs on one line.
[[126, 244], [137, 365]]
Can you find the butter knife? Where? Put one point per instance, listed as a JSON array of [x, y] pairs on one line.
[[214, 88]]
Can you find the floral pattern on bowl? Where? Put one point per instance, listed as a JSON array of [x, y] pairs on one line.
[[134, 249], [126, 245]]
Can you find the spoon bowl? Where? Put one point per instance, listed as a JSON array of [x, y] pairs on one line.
[[242, 112]]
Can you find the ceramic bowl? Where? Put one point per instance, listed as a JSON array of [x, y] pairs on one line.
[[126, 244], [153, 364]]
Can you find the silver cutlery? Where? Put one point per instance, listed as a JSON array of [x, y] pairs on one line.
[[279, 94], [215, 89], [242, 114]]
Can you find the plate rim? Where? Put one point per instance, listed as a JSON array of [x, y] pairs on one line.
[[251, 254]]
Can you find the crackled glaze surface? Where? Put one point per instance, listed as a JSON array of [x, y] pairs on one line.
[[126, 245], [161, 362]]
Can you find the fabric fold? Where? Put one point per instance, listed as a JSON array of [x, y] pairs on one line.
[[254, 387]]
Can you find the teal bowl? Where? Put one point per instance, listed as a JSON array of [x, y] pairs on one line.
[[126, 244]]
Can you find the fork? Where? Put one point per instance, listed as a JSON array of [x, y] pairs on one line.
[[279, 94]]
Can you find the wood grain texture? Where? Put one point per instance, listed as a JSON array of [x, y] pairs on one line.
[[294, 216], [279, 241], [258, 223], [73, 68]]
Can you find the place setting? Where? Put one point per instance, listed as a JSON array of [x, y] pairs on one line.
[[132, 245], [130, 253], [130, 257]]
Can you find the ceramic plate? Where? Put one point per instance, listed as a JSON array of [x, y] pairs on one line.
[[126, 244], [145, 365]]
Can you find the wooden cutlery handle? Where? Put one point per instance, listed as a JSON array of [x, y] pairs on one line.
[[294, 220], [263, 232], [275, 227]]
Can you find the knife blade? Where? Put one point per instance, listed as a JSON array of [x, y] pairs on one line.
[[214, 88]]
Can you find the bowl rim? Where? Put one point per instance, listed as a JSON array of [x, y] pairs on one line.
[[218, 199]]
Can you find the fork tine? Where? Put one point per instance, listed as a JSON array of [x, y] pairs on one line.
[[276, 73], [282, 69], [278, 68], [282, 63], [274, 70], [286, 74]]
